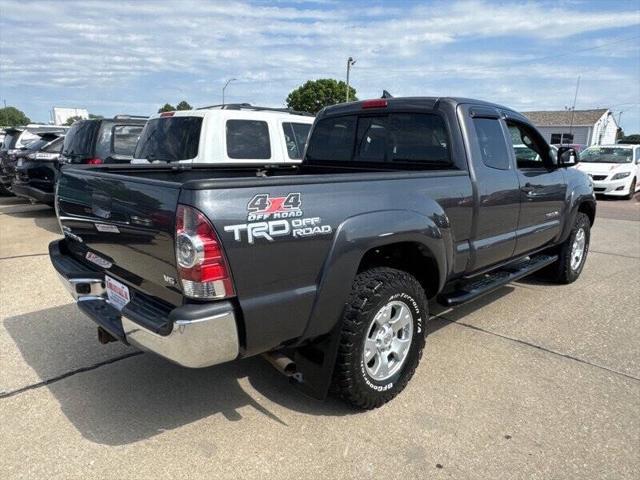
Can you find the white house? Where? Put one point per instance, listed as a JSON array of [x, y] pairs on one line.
[[587, 127]]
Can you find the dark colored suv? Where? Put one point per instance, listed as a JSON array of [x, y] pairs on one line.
[[37, 169], [97, 141]]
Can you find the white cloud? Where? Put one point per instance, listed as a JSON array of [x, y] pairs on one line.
[[139, 52]]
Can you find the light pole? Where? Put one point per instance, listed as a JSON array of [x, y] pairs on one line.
[[350, 63], [225, 87]]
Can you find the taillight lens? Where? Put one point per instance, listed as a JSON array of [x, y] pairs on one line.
[[202, 267], [94, 161]]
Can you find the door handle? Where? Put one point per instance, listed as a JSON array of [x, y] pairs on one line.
[[528, 189]]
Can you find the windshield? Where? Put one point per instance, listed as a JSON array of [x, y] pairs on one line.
[[169, 139], [79, 139], [606, 155]]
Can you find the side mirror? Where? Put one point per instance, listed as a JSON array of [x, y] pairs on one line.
[[567, 157]]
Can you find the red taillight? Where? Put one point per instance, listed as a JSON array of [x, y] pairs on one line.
[[93, 161], [377, 103], [200, 260], [167, 114]]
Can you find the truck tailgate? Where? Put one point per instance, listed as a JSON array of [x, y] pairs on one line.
[[124, 225]]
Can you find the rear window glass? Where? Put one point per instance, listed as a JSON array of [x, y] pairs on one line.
[[295, 136], [397, 138], [79, 139], [491, 141], [54, 147], [248, 140], [170, 139], [125, 138]]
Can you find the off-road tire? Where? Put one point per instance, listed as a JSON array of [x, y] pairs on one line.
[[372, 289], [561, 271]]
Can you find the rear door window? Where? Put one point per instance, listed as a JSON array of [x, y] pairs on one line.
[[169, 139], [492, 143], [295, 137], [125, 138], [248, 140]]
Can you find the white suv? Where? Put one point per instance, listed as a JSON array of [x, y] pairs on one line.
[[230, 134]]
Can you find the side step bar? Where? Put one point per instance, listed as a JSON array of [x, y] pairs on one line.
[[476, 287]]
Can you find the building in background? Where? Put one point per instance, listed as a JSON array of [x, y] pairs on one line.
[[61, 115], [586, 127]]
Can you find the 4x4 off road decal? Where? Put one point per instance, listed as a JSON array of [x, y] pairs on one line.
[[271, 217]]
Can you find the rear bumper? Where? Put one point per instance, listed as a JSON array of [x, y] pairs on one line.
[[193, 336], [32, 193]]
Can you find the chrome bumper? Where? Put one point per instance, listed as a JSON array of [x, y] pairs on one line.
[[193, 343]]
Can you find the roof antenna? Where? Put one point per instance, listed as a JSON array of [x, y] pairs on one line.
[[386, 94]]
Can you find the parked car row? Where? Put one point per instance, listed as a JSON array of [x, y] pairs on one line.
[[235, 134]]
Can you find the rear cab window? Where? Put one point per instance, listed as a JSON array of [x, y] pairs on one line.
[[169, 139], [248, 140], [394, 140]]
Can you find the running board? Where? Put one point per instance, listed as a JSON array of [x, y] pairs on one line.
[[476, 287]]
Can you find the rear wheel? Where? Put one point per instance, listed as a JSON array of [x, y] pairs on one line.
[[382, 338], [573, 252]]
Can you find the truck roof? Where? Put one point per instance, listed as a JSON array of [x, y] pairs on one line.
[[408, 102]]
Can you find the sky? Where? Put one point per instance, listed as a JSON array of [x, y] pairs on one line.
[[133, 56]]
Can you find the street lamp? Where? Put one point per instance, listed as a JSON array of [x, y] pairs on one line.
[[225, 87], [350, 63]]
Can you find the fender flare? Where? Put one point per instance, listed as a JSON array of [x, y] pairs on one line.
[[578, 197], [359, 234]]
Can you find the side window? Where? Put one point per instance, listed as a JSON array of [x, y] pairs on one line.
[[492, 143], [248, 139], [125, 138], [529, 148], [295, 137]]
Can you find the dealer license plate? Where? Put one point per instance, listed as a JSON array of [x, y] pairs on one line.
[[117, 293]]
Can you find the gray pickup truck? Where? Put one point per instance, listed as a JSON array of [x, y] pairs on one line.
[[325, 267]]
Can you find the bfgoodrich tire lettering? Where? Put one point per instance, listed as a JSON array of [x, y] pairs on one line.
[[372, 291]]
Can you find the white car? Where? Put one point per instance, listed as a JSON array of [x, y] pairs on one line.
[[234, 134], [614, 169]]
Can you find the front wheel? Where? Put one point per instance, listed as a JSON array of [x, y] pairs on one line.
[[632, 190], [382, 337], [573, 252]]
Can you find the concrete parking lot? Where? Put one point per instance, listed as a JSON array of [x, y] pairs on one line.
[[533, 381]]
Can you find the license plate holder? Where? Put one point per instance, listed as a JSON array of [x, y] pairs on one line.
[[117, 292]]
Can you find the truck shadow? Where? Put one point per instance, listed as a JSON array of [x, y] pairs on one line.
[[44, 218], [134, 398]]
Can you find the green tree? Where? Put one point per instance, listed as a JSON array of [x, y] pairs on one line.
[[314, 95], [183, 105], [633, 139], [167, 107], [72, 120], [11, 117], [95, 117]]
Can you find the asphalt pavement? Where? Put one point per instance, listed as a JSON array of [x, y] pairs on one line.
[[533, 381]]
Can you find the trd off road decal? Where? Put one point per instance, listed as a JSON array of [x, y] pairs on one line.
[[271, 217]]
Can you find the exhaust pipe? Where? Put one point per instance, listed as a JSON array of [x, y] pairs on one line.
[[283, 364]]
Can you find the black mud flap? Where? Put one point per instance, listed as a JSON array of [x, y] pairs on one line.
[[315, 363], [105, 315]]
